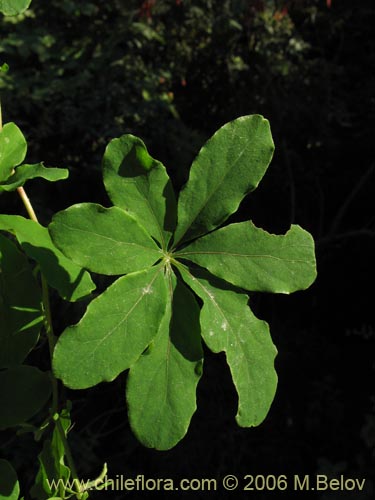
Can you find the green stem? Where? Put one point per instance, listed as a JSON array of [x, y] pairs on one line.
[[45, 293], [69, 457], [51, 344]]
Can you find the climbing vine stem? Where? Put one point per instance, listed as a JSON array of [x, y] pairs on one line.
[[51, 338]]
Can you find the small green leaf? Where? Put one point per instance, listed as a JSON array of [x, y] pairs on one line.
[[26, 172], [20, 305], [139, 184], [52, 469], [70, 280], [13, 149], [116, 328], [146, 31], [103, 240], [13, 7], [228, 167], [251, 258], [9, 486], [4, 68], [162, 384], [24, 390], [229, 325]]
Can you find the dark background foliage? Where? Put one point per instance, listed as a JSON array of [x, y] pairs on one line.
[[172, 72]]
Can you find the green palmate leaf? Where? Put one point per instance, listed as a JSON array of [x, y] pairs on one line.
[[53, 472], [20, 305], [69, 279], [115, 330], [138, 183], [9, 486], [229, 166], [23, 392], [26, 172], [162, 384], [147, 320], [104, 240], [251, 258], [13, 149], [13, 7], [229, 325]]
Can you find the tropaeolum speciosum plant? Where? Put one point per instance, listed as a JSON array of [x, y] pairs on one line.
[[181, 275], [168, 255], [24, 313]]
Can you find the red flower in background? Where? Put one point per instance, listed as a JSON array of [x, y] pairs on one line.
[[146, 9], [279, 14]]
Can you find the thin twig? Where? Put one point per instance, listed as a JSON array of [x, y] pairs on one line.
[[343, 236], [344, 207], [292, 188]]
